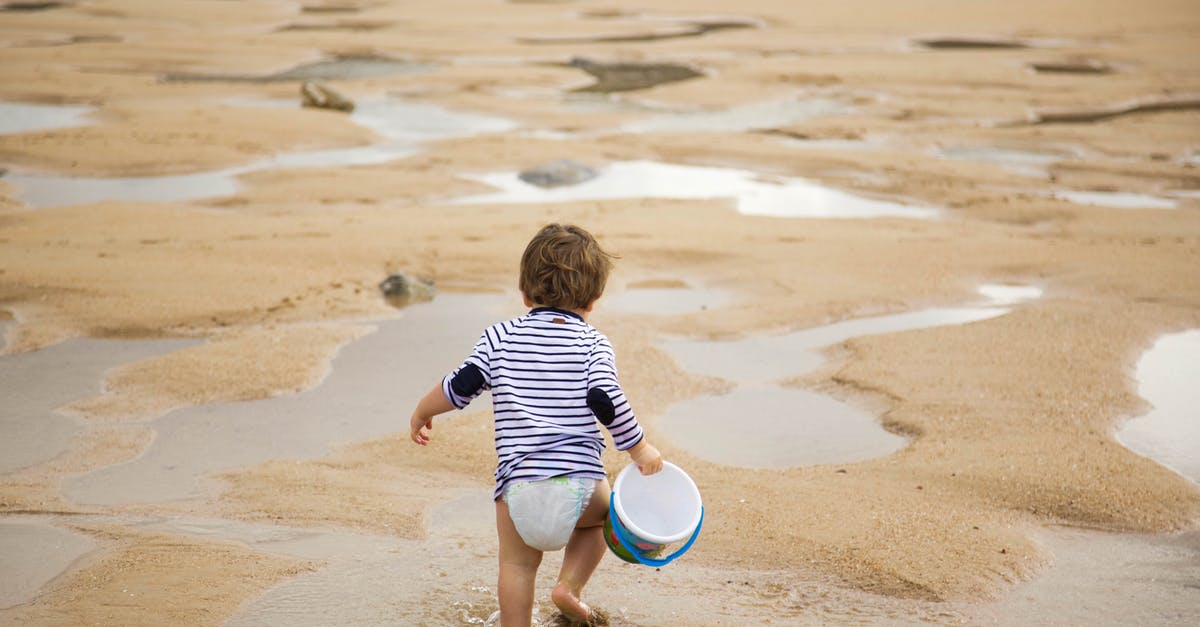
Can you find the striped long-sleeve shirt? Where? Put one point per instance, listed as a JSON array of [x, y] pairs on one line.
[[546, 370]]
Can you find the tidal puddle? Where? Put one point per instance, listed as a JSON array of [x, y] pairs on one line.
[[371, 583], [1167, 378], [1005, 294], [752, 195], [313, 544], [756, 116], [1117, 200], [16, 117], [340, 68], [404, 126], [35, 384], [1024, 162], [665, 297], [33, 555], [790, 427], [1105, 579], [372, 381], [360, 579]]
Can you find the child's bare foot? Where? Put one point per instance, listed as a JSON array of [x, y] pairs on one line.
[[576, 612], [567, 603]]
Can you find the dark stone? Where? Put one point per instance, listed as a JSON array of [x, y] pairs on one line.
[[322, 97], [402, 289], [558, 173]]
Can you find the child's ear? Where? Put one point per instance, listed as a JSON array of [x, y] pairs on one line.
[[528, 303], [588, 309]]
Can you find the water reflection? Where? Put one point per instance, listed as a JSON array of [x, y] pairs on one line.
[[785, 198]]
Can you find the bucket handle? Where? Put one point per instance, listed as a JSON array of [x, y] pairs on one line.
[[619, 532]]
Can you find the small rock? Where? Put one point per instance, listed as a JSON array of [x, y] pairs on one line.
[[401, 289], [322, 97], [558, 174]]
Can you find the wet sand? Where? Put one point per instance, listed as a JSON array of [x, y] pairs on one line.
[[207, 390]]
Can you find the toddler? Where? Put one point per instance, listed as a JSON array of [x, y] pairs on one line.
[[552, 377]]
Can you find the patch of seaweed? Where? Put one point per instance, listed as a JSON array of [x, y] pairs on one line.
[[687, 29], [1072, 66], [1069, 115], [972, 43], [617, 77], [29, 7], [346, 25]]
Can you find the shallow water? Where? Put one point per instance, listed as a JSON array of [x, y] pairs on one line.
[[32, 555], [1184, 193], [1169, 379], [1025, 162], [1105, 579], [404, 126], [31, 431], [665, 300], [345, 68], [770, 358], [756, 116], [789, 427], [787, 198], [366, 395], [365, 578], [1117, 200], [17, 117], [370, 582]]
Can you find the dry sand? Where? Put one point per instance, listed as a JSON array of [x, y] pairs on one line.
[[1011, 419]]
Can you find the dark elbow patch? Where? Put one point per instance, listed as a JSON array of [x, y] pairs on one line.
[[601, 405], [467, 382]]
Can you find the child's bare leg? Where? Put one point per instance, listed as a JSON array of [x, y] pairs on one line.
[[518, 571], [584, 551]]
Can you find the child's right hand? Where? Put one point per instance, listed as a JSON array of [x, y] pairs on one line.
[[420, 427], [647, 458]]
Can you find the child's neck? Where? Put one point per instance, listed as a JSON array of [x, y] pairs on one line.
[[582, 313]]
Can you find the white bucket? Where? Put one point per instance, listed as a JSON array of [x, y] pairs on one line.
[[649, 512]]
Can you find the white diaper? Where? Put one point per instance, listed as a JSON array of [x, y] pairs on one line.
[[545, 512]]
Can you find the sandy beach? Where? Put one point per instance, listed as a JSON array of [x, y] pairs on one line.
[[888, 276]]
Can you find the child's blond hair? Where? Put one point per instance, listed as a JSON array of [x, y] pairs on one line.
[[564, 267]]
